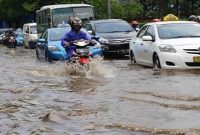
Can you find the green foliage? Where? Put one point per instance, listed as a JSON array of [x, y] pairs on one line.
[[11, 10]]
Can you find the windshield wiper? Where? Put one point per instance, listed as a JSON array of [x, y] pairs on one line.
[[115, 31], [185, 36]]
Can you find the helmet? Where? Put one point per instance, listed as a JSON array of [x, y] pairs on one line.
[[156, 20], [76, 23], [192, 18], [134, 23], [198, 19]]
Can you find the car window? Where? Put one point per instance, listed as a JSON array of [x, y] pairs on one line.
[[44, 35], [178, 30], [109, 27], [26, 30], [88, 27], [150, 32], [33, 29], [142, 31]]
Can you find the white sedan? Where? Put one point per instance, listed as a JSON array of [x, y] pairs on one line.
[[167, 45]]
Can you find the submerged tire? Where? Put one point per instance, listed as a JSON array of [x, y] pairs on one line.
[[47, 57], [156, 62], [132, 57], [37, 54]]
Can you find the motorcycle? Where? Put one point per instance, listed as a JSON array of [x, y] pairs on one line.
[[83, 55], [11, 42]]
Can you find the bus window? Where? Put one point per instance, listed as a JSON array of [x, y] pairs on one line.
[[61, 14], [54, 15], [84, 13]]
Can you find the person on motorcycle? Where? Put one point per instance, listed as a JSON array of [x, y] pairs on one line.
[[156, 20], [8, 35], [197, 19], [135, 24], [192, 18], [74, 35]]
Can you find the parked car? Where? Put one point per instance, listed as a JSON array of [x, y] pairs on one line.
[[49, 46], [30, 35], [116, 33], [168, 45], [19, 37]]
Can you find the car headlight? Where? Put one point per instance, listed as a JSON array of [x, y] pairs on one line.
[[167, 48], [103, 41], [52, 48]]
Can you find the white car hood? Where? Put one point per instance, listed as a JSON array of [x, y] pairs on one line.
[[182, 42]]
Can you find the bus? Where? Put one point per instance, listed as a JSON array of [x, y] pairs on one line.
[[52, 15]]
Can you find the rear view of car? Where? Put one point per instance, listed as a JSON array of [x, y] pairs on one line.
[[115, 33]]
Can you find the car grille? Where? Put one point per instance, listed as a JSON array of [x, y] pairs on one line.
[[119, 41], [192, 64], [118, 47], [192, 51]]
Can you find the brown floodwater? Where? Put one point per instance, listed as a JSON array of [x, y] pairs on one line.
[[112, 98]]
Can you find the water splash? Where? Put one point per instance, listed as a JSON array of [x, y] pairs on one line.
[[99, 69], [96, 69]]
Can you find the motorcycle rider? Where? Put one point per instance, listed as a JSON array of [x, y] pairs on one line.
[[74, 35], [192, 18], [135, 24], [156, 20], [8, 35]]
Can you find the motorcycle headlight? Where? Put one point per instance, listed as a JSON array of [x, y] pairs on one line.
[[167, 48], [52, 48], [103, 41]]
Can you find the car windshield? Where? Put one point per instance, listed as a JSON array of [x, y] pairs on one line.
[[110, 27], [57, 34], [33, 30], [178, 30]]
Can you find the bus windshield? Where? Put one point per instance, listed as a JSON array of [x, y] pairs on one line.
[[61, 15]]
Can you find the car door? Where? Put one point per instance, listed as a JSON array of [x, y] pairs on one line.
[[138, 45], [42, 44], [148, 47], [25, 32]]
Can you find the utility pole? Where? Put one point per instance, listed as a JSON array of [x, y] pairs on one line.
[[108, 8], [177, 8]]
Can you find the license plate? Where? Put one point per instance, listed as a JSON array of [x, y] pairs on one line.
[[196, 58], [123, 51], [83, 50]]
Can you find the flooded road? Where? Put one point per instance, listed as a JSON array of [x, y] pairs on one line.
[[114, 98]]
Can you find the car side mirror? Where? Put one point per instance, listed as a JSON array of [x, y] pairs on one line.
[[147, 38], [137, 29], [42, 40], [91, 32]]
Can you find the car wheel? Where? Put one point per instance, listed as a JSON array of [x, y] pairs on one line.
[[25, 46], [47, 57], [37, 54], [156, 62], [132, 57]]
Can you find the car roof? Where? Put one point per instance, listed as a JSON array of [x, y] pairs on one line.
[[62, 28], [6, 29], [30, 24], [64, 6], [106, 20], [173, 22]]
